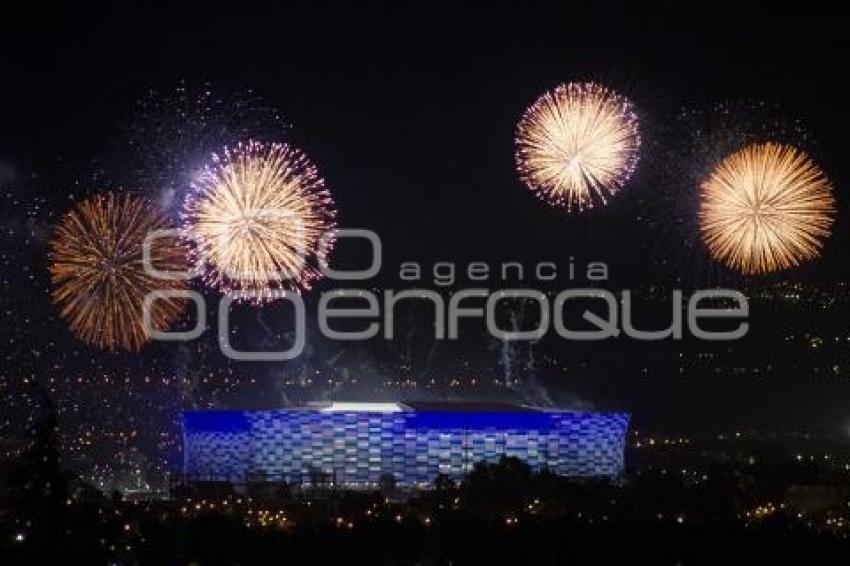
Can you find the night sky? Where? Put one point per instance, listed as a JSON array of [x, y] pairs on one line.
[[410, 115]]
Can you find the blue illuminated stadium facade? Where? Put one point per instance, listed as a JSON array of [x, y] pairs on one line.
[[356, 443]]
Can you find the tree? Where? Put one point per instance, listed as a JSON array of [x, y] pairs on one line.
[[443, 484], [387, 485]]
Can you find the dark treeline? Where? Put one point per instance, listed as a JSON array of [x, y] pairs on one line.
[[500, 514]]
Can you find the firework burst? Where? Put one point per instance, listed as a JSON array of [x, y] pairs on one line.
[[577, 145], [765, 207], [257, 216], [679, 157], [98, 273]]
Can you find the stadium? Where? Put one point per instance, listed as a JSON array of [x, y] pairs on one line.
[[356, 444]]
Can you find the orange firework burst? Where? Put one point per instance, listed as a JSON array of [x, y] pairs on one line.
[[577, 145], [98, 273], [766, 207], [260, 220]]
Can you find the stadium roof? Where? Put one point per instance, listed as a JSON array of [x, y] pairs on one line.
[[355, 407], [422, 406], [470, 406]]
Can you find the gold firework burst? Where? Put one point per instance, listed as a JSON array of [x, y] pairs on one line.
[[766, 207], [260, 220], [98, 273], [577, 145]]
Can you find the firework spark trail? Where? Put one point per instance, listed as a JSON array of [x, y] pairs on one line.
[[98, 275], [766, 207], [172, 131], [257, 217], [577, 145]]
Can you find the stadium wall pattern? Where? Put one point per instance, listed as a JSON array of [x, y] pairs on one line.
[[355, 448]]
